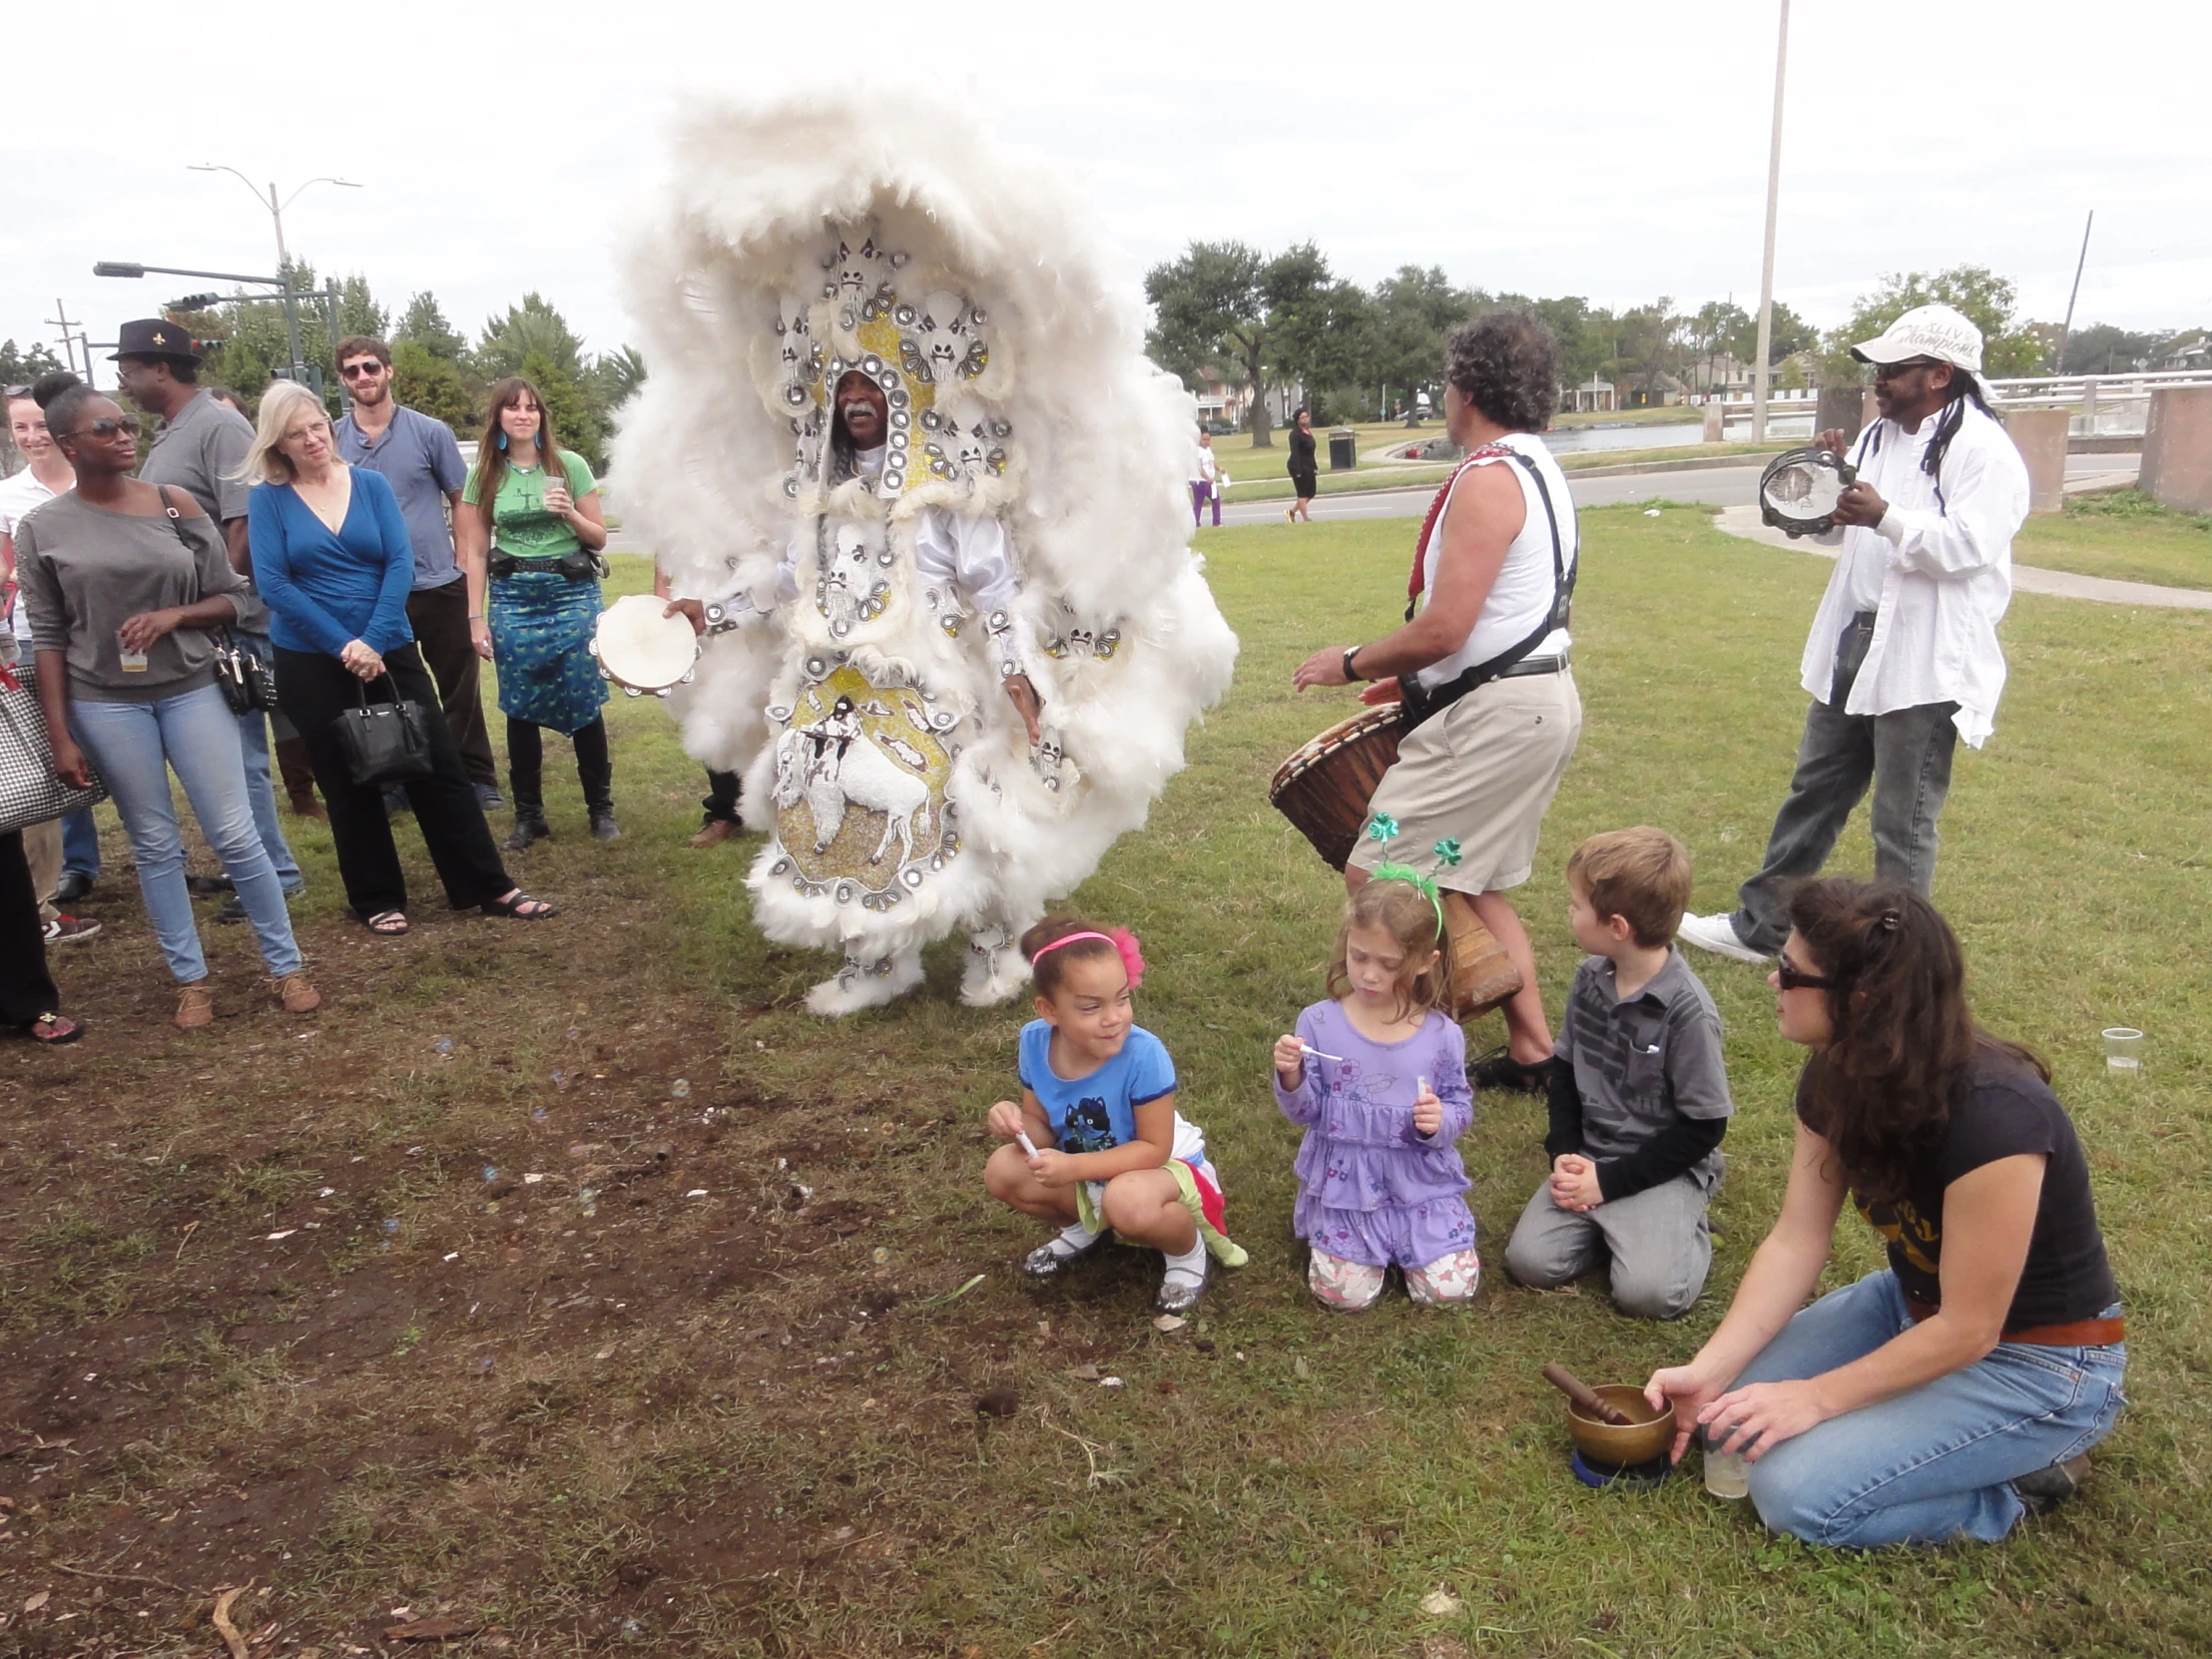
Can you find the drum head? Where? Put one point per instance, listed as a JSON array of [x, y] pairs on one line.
[[1798, 489], [638, 647]]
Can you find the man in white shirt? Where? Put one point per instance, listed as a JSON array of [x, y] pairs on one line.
[[1904, 658]]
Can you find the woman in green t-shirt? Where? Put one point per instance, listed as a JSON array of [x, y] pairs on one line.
[[530, 547]]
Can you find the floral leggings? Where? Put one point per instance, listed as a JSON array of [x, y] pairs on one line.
[[1354, 1287]]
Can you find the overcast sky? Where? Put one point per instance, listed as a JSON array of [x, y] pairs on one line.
[[1616, 151]]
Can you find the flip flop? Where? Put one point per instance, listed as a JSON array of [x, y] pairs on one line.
[[388, 923], [54, 1029]]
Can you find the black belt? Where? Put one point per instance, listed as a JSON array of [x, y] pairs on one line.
[[580, 566], [1536, 665]]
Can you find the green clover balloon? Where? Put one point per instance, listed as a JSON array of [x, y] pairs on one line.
[[1449, 850], [1381, 826]]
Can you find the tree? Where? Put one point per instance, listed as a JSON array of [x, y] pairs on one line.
[[1320, 325], [1984, 298], [434, 386], [1650, 342], [532, 326], [20, 367], [358, 312], [1584, 333], [2103, 349], [425, 325], [1415, 312], [1211, 304], [613, 376], [575, 422]]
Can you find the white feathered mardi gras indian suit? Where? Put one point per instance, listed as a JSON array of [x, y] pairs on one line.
[[1025, 517]]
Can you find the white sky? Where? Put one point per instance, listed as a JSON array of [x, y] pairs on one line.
[[1613, 150]]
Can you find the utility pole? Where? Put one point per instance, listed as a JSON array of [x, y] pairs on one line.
[[2058, 365], [72, 333], [1762, 374]]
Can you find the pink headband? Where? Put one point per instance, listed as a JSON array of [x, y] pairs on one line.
[[1120, 938]]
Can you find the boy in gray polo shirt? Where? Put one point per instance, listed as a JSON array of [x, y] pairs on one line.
[[1639, 1093]]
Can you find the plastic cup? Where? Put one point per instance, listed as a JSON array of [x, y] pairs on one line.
[[2123, 1048], [1724, 1474]]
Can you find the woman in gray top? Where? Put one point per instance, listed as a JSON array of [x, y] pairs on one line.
[[124, 582]]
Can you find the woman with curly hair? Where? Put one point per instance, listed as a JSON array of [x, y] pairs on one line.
[[1492, 713], [1960, 1386]]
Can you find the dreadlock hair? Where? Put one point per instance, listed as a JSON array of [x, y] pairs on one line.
[[1902, 1042], [1052, 968], [1409, 916], [1964, 388]]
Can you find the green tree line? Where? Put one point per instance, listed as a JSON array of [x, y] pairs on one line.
[[1262, 321]]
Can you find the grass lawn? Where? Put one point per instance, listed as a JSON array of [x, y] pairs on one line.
[[569, 1284], [2123, 534], [1265, 479]]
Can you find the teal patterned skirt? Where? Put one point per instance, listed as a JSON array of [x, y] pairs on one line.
[[541, 628]]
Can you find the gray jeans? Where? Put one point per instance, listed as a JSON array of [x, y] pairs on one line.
[[1906, 755], [1657, 1243]]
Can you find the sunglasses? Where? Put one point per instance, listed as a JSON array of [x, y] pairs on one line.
[[108, 425], [1889, 371], [17, 391], [361, 372], [1791, 977]]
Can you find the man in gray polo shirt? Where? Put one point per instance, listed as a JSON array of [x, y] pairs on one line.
[[198, 447], [421, 461]]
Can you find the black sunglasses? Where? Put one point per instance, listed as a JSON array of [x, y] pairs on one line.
[[1889, 371], [108, 425], [355, 372], [1791, 977]]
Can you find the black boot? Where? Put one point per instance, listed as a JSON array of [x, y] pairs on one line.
[[530, 824], [595, 770]]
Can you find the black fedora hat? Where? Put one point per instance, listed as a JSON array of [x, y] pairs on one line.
[[154, 336]]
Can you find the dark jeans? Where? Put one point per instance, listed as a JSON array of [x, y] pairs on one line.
[[595, 769], [1905, 754], [439, 618], [26, 989], [722, 796], [315, 690], [80, 842]]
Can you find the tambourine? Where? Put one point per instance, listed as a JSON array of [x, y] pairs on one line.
[[640, 648], [1799, 490]]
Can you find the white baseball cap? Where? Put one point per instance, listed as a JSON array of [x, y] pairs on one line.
[[1926, 332]]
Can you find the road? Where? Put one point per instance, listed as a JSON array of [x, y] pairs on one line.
[[1729, 485]]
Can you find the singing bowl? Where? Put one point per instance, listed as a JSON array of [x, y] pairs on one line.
[[1649, 1433]]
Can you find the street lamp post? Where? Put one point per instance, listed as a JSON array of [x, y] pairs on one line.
[[1762, 374], [274, 206]]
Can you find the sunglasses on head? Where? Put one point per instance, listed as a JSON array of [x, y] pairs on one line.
[[1791, 977], [17, 391], [108, 425], [357, 372], [1889, 371]]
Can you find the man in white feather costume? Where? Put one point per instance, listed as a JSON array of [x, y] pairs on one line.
[[957, 650]]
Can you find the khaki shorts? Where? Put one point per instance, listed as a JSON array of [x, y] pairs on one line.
[[1468, 797]]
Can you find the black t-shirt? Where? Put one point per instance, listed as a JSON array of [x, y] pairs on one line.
[[2007, 1110]]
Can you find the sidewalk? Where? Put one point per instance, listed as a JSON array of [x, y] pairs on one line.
[[2064, 584]]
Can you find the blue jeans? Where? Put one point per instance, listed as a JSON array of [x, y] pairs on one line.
[[80, 842], [135, 746], [253, 736], [1935, 1464]]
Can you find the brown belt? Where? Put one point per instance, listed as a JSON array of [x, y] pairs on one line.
[[2099, 1333]]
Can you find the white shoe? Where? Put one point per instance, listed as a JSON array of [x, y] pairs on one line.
[[866, 984], [1718, 934]]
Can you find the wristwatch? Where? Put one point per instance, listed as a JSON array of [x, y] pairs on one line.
[[1352, 674]]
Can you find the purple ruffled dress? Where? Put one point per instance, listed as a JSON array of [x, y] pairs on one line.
[[1372, 1189]]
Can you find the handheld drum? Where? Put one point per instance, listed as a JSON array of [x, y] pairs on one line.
[[641, 650], [1798, 489]]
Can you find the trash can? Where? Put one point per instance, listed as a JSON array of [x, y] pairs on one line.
[[1344, 449]]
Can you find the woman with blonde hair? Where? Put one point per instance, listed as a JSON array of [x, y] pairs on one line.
[[334, 560], [529, 533]]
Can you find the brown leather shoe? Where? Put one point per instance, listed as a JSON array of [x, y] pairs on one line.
[[297, 997], [194, 1006], [714, 833]]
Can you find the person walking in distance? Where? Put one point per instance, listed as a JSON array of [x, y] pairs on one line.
[[198, 449], [1903, 658], [421, 460], [1305, 481], [1206, 479]]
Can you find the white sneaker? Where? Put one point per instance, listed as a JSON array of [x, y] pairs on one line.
[[1718, 934]]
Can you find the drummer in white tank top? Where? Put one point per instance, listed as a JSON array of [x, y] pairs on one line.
[[1488, 583]]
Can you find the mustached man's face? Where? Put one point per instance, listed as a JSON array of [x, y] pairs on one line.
[[862, 407]]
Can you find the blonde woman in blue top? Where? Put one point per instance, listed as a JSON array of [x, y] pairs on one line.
[[334, 560]]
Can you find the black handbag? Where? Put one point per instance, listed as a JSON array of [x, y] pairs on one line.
[[385, 742], [245, 679]]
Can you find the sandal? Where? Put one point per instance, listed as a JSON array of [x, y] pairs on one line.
[[54, 1029], [520, 906], [389, 923], [1500, 1070]]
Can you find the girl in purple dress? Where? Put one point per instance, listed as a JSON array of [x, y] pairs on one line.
[[1378, 1076]]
